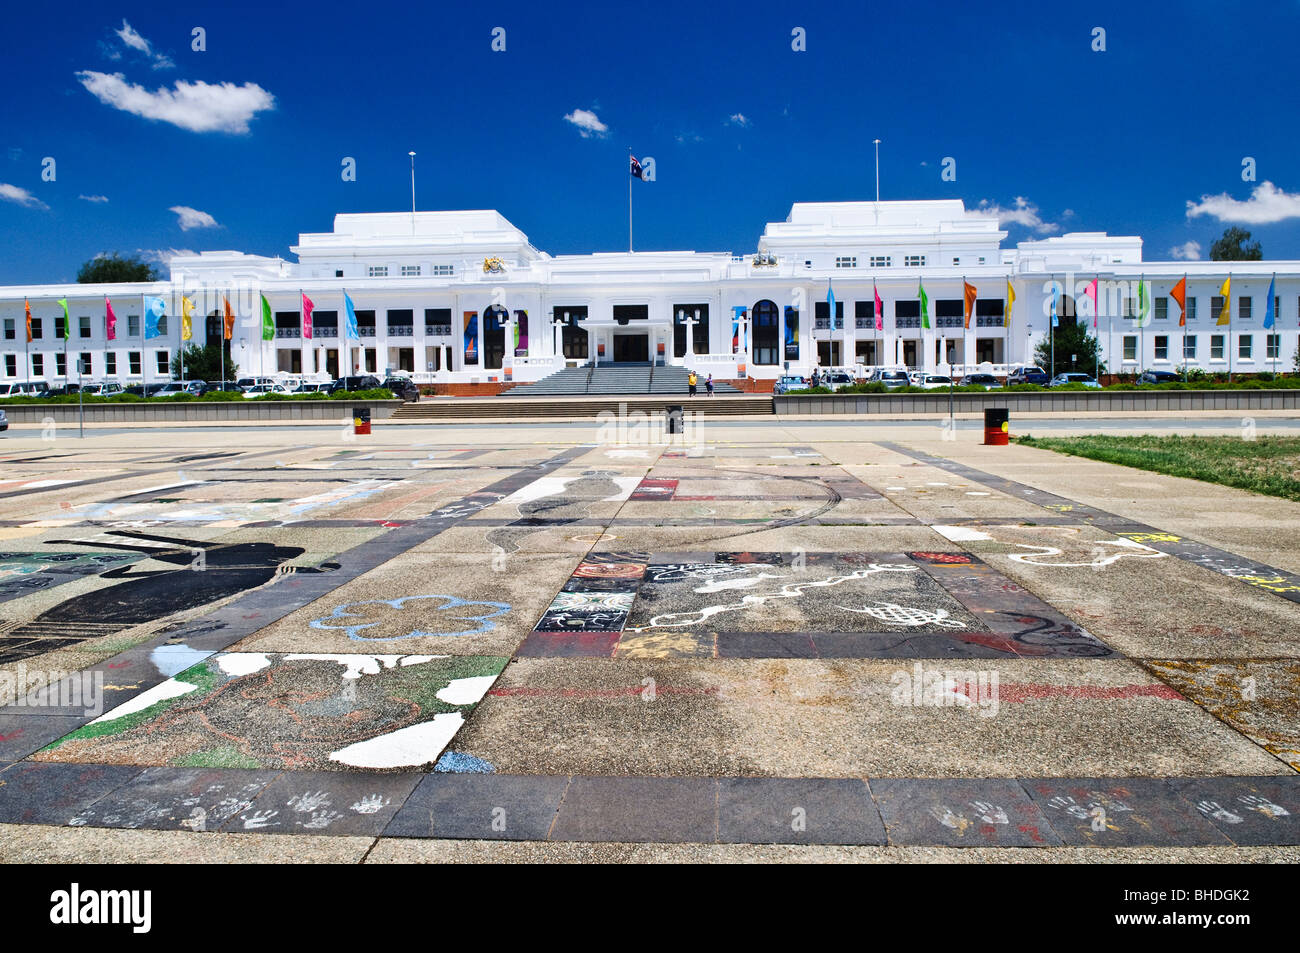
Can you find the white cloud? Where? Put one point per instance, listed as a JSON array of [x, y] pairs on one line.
[[588, 123], [1266, 205], [12, 193], [163, 255], [738, 119], [1023, 212], [131, 37], [189, 218], [197, 106], [97, 199], [1187, 251]]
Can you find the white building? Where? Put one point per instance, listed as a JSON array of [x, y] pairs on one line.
[[443, 295]]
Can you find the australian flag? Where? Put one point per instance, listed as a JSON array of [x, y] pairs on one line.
[[635, 168]]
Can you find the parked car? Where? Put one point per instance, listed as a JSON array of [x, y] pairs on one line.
[[229, 387], [1028, 375], [246, 382], [308, 387], [4, 421], [788, 382], [915, 378], [1158, 377], [1087, 380], [197, 388], [11, 390], [67, 390], [402, 387], [357, 382], [894, 379], [987, 381], [260, 390], [106, 389], [837, 380], [934, 381]]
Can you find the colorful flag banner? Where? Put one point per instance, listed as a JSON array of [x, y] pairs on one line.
[[27, 307], [1011, 303], [1144, 303], [830, 307], [228, 320], [155, 309], [1090, 292], [187, 318], [1179, 293], [1270, 315], [521, 331], [110, 320], [1055, 294], [268, 322], [737, 312], [880, 307], [635, 169], [1225, 312], [471, 337], [968, 293], [67, 321], [925, 304], [352, 331], [791, 333], [307, 308]]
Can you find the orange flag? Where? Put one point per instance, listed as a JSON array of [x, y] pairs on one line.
[[230, 319], [968, 290], [1179, 293], [28, 307]]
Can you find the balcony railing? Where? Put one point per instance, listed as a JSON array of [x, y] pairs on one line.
[[861, 323], [288, 332], [949, 321], [437, 330], [325, 332], [401, 331], [366, 331]]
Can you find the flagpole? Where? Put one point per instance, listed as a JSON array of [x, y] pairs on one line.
[[1051, 335], [144, 368], [629, 209], [1184, 322], [1227, 306]]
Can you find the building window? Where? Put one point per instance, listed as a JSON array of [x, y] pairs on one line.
[[849, 261], [1277, 307], [1216, 347], [60, 364], [110, 362], [907, 314], [1244, 347], [1191, 309], [162, 325], [338, 272], [956, 261], [58, 327], [981, 259], [881, 261], [1130, 347], [444, 270], [864, 315], [437, 321], [914, 261], [376, 271], [410, 271], [1189, 347], [10, 331], [133, 325], [1130, 307], [133, 361], [87, 363], [85, 325], [37, 331], [1162, 309], [1243, 308], [822, 315], [1216, 305], [1162, 347], [38, 365], [1273, 346], [11, 365]]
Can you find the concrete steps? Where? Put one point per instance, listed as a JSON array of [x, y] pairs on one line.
[[506, 407], [615, 379]]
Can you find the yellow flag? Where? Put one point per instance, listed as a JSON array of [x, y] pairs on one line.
[[187, 323], [1011, 303], [1225, 313]]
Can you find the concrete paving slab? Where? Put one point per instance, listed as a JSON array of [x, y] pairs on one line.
[[56, 793], [1121, 812], [481, 807], [633, 810], [961, 812], [325, 802], [797, 811]]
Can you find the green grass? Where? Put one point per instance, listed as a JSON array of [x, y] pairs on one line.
[[1268, 465]]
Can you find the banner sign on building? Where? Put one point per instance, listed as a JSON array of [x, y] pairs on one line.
[[791, 333], [471, 337]]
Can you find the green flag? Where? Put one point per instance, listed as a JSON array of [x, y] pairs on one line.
[[268, 323], [925, 304], [67, 322], [1144, 304]]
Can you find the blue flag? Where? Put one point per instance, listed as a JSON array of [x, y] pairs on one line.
[[154, 310], [830, 305], [1268, 311], [352, 333], [1055, 322]]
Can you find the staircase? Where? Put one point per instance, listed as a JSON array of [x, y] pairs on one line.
[[504, 407], [666, 381]]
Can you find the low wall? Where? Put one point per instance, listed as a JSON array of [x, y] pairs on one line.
[[1080, 402], [197, 411]]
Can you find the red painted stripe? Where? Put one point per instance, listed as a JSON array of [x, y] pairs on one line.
[[522, 691], [1019, 692]]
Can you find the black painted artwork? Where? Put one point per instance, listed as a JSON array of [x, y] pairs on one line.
[[203, 573]]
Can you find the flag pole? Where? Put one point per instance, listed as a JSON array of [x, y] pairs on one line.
[[629, 207], [1183, 316]]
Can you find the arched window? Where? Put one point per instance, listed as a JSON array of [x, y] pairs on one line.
[[767, 332]]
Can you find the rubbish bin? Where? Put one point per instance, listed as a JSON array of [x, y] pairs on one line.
[[997, 427], [361, 420], [673, 418]]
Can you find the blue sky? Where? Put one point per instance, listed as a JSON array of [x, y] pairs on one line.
[[1055, 135]]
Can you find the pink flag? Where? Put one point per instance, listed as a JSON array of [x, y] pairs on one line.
[[307, 307], [110, 320], [880, 309], [1091, 292]]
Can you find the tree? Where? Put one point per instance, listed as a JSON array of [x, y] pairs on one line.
[[203, 364], [1076, 349], [1235, 245], [108, 269]]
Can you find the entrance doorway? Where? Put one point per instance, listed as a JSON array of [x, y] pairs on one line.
[[631, 348]]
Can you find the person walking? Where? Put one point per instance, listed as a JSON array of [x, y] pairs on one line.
[[691, 382], [708, 385]]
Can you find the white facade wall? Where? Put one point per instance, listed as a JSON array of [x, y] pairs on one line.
[[436, 261]]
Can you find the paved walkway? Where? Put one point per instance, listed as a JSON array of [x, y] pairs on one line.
[[753, 642]]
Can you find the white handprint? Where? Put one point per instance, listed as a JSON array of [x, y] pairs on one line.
[[259, 819], [307, 802], [197, 821], [990, 813], [1102, 799], [1263, 805], [371, 804], [1218, 812], [320, 820], [947, 818], [1069, 805]]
